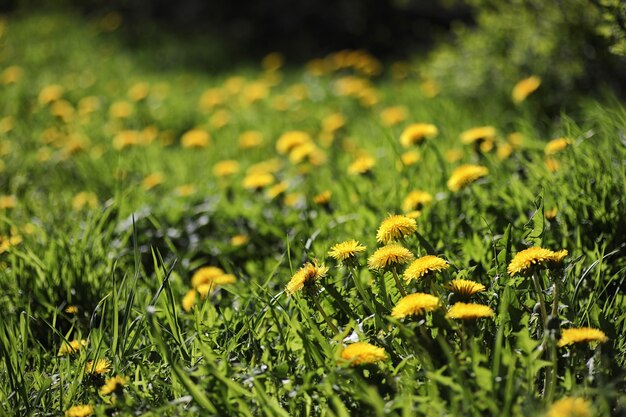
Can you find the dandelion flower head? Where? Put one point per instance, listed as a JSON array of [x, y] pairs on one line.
[[415, 200], [581, 335], [556, 146], [469, 311], [527, 258], [416, 133], [570, 407], [465, 287], [361, 353], [388, 256], [115, 384], [206, 275], [82, 410], [308, 274], [73, 347], [424, 266], [524, 88], [395, 227], [465, 175], [346, 250], [195, 138], [415, 304], [98, 367]]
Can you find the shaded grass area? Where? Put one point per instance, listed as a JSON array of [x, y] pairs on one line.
[[115, 212]]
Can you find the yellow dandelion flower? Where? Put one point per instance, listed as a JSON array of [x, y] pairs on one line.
[[551, 214], [219, 119], [410, 158], [415, 304], [556, 146], [225, 279], [346, 250], [423, 266], [84, 199], [416, 133], [7, 124], [50, 93], [388, 256], [527, 258], [99, 367], [322, 198], [581, 335], [195, 138], [126, 139], [206, 275], [505, 150], [416, 200], [7, 202], [294, 200], [362, 165], [185, 190], [307, 275], [291, 140], [465, 287], [250, 139], [277, 189], [71, 347], [88, 105], [395, 227], [71, 309], [516, 139], [469, 311], [115, 385], [226, 168], [524, 88], [570, 407], [189, 300], [257, 181], [391, 116], [210, 98], [254, 92], [239, 240], [552, 164], [478, 134], [153, 180], [11, 75], [333, 122], [83, 410], [63, 110], [465, 175], [361, 353], [121, 110]]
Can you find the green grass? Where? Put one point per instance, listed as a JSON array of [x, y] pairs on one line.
[[249, 348]]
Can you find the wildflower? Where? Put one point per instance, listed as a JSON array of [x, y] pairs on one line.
[[362, 353], [84, 199], [424, 266], [294, 200], [346, 250], [219, 119], [153, 180], [556, 145], [524, 88], [395, 227], [551, 214], [581, 335], [88, 105], [277, 189], [393, 115], [291, 140], [185, 190], [415, 200], [333, 122], [362, 165], [121, 110], [415, 304], [115, 385], [527, 258], [98, 367], [465, 287], [570, 407], [416, 133], [322, 198], [7, 202], [195, 138], [126, 139], [250, 139], [226, 168], [74, 346], [11, 75], [516, 139], [138, 91], [469, 311], [189, 300], [552, 165], [410, 158], [50, 93], [206, 275], [388, 256], [239, 240], [504, 151], [307, 275], [71, 309], [257, 181], [82, 410], [464, 175], [478, 134], [210, 98]]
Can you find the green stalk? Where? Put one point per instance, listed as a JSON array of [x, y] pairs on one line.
[[542, 301], [323, 314], [398, 283]]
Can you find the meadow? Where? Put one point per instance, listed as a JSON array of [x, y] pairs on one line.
[[330, 238]]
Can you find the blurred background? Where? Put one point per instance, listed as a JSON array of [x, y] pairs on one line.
[[467, 46]]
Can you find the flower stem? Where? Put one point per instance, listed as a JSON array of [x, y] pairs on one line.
[[542, 301], [398, 283], [359, 287], [324, 315]]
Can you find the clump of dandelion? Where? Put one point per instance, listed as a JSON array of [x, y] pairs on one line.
[[526, 259], [395, 227], [115, 385], [570, 407], [68, 348], [582, 335], [389, 256], [424, 266], [416, 133], [415, 304], [465, 288], [307, 275], [524, 88], [288, 141], [360, 353], [469, 311], [465, 175], [98, 367], [82, 410]]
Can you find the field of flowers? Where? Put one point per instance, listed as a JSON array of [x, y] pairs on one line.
[[328, 239]]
